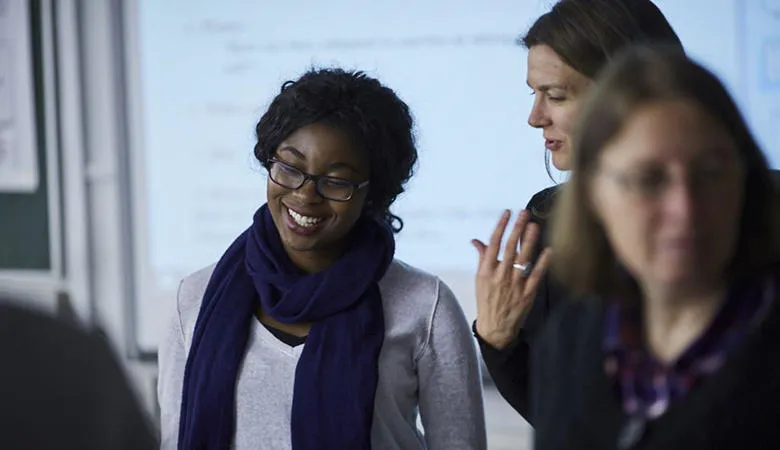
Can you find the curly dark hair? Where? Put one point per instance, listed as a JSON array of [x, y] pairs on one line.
[[378, 121]]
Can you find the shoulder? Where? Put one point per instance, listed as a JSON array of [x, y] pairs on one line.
[[39, 343], [545, 193], [418, 302], [415, 287], [404, 279], [542, 202], [30, 329], [414, 295], [193, 286], [87, 370], [190, 297]]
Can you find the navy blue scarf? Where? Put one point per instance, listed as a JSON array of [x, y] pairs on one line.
[[336, 376]]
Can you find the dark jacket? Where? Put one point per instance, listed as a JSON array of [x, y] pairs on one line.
[[62, 388], [574, 405], [509, 367]]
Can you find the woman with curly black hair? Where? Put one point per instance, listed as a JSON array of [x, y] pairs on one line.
[[308, 334]]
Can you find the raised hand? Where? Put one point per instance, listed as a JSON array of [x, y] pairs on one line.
[[506, 287]]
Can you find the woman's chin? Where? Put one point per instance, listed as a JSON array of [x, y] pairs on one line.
[[561, 160], [683, 277]]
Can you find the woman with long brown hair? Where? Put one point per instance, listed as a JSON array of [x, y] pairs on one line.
[[670, 228]]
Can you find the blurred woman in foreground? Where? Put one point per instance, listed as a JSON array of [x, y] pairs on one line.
[[670, 223]]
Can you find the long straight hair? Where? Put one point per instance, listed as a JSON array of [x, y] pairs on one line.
[[584, 259]]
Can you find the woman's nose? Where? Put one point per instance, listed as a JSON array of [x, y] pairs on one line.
[[308, 192], [538, 117]]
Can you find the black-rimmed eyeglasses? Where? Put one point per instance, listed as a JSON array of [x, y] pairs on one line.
[[331, 188]]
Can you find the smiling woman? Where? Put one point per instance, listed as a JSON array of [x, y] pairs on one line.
[[314, 218], [322, 338]]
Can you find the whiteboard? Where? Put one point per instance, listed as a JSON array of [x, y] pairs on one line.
[[202, 73]]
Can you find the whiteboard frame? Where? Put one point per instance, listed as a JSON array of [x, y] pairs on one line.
[[137, 167], [39, 288]]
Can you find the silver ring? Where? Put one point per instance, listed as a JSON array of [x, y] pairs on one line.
[[524, 268]]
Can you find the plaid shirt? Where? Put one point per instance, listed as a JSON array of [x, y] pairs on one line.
[[647, 386]]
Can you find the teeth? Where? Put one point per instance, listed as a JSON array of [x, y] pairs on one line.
[[302, 220]]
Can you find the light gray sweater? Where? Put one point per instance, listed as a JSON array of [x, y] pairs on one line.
[[428, 363]]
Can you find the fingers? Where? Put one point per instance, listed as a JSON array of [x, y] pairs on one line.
[[539, 269], [491, 254], [481, 247], [528, 246], [510, 251]]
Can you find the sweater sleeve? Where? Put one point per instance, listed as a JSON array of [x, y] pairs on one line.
[[450, 384], [171, 363]]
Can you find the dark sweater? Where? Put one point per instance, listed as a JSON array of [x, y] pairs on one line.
[[574, 405], [509, 367]]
